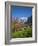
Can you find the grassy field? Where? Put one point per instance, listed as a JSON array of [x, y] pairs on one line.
[[22, 33]]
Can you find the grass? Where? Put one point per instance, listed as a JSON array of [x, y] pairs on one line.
[[22, 33]]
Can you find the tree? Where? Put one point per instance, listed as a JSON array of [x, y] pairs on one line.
[[29, 20]]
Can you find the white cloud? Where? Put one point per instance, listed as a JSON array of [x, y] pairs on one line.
[[23, 18]]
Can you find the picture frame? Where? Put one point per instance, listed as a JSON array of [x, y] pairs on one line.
[[8, 39]]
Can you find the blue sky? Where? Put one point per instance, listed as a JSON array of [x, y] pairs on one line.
[[19, 11]]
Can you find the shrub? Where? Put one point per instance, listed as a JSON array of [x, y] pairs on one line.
[[22, 33]]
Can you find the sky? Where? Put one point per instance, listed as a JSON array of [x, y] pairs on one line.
[[20, 11]]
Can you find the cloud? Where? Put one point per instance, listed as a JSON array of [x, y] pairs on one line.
[[24, 19]]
